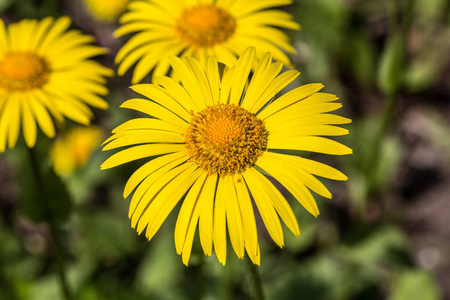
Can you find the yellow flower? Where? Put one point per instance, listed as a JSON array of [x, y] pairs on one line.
[[107, 11], [211, 137], [45, 72], [72, 151], [199, 28]]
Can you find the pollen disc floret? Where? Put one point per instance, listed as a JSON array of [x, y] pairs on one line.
[[225, 139], [20, 71], [205, 25]]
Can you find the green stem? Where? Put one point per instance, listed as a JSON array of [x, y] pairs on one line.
[[254, 279], [57, 245], [391, 97]]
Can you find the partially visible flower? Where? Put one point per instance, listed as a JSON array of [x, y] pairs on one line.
[[107, 11], [45, 73], [198, 28], [73, 150], [211, 138]]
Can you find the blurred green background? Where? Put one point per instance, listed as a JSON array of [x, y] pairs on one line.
[[383, 235]]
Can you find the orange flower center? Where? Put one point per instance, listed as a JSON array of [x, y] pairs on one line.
[[21, 71], [205, 25], [225, 139]]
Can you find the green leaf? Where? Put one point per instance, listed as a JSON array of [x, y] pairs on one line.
[[109, 234], [384, 245], [359, 166], [361, 57], [415, 285], [391, 64], [161, 269], [319, 278], [44, 196], [5, 4]]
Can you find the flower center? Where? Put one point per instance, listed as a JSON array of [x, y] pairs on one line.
[[225, 139], [21, 71], [205, 25]]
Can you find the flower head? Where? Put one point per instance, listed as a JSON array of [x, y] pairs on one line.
[[211, 137], [72, 151], [198, 29], [45, 72], [106, 11]]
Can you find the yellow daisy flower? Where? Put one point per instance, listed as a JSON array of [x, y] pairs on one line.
[[72, 151], [211, 137], [106, 11], [199, 28], [45, 72]]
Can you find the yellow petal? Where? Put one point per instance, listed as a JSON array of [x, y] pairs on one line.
[[226, 86], [298, 110], [43, 118], [156, 172], [59, 26], [224, 55], [135, 137], [312, 120], [131, 58], [315, 168], [153, 57], [287, 177], [148, 190], [148, 168], [160, 96], [166, 200], [5, 116], [3, 37], [240, 76], [265, 72], [178, 92], [140, 39], [310, 143], [234, 217], [212, 72], [200, 75], [219, 227], [270, 17], [313, 130], [153, 109], [263, 45], [206, 214], [241, 8], [138, 152], [290, 98], [14, 121], [146, 124], [278, 201], [275, 86], [29, 124], [265, 206], [188, 79], [248, 217], [189, 212]]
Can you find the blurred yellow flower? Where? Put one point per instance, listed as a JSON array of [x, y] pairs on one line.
[[45, 72], [211, 137], [72, 151], [199, 28], [107, 11]]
